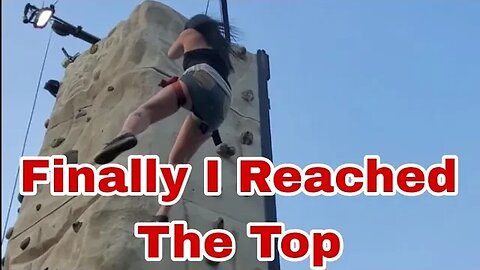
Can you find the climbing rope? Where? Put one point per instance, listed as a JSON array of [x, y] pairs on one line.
[[208, 5], [26, 135], [55, 3]]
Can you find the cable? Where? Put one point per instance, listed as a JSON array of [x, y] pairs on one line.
[[208, 5], [26, 135]]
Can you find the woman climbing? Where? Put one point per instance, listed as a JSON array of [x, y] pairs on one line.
[[203, 89]]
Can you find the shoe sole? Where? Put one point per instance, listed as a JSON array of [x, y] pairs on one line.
[[112, 151]]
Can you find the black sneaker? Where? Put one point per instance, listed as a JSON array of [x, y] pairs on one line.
[[114, 148]]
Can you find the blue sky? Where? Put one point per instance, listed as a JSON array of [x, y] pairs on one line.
[[399, 79]]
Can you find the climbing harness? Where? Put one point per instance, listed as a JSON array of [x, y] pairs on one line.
[[177, 88], [26, 134]]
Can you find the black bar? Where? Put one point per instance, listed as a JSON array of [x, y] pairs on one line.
[[263, 69], [225, 19], [79, 33], [217, 140], [76, 31]]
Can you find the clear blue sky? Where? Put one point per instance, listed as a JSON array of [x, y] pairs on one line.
[[400, 79]]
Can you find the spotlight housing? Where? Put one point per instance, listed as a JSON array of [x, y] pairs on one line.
[[52, 86], [42, 17]]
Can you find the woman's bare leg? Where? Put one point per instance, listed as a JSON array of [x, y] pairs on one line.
[[161, 105], [189, 140]]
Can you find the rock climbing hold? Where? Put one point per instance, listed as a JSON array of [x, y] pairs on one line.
[[94, 48], [226, 151], [46, 123], [20, 197], [212, 263], [76, 226], [9, 233], [219, 223], [110, 88], [88, 119], [247, 95], [247, 138], [52, 86], [96, 75], [242, 53], [72, 156], [38, 206], [81, 113], [24, 244], [66, 62], [56, 142]]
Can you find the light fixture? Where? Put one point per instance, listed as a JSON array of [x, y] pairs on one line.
[[43, 17], [52, 86], [40, 18]]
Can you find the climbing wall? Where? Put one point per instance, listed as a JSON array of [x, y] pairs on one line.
[[98, 92]]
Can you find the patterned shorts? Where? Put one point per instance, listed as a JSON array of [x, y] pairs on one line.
[[210, 94]]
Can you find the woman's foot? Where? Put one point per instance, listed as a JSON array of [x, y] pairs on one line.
[[115, 147]]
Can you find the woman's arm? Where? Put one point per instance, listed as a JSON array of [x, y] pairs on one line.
[[177, 50]]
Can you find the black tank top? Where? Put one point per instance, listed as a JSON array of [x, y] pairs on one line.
[[206, 56]]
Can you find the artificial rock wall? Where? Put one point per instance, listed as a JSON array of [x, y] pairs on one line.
[[98, 92]]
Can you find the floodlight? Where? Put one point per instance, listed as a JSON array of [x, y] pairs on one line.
[[52, 86], [42, 17]]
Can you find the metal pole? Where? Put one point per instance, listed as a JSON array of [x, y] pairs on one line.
[[263, 73], [77, 31], [223, 4]]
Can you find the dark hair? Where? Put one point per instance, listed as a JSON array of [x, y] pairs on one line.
[[214, 33]]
